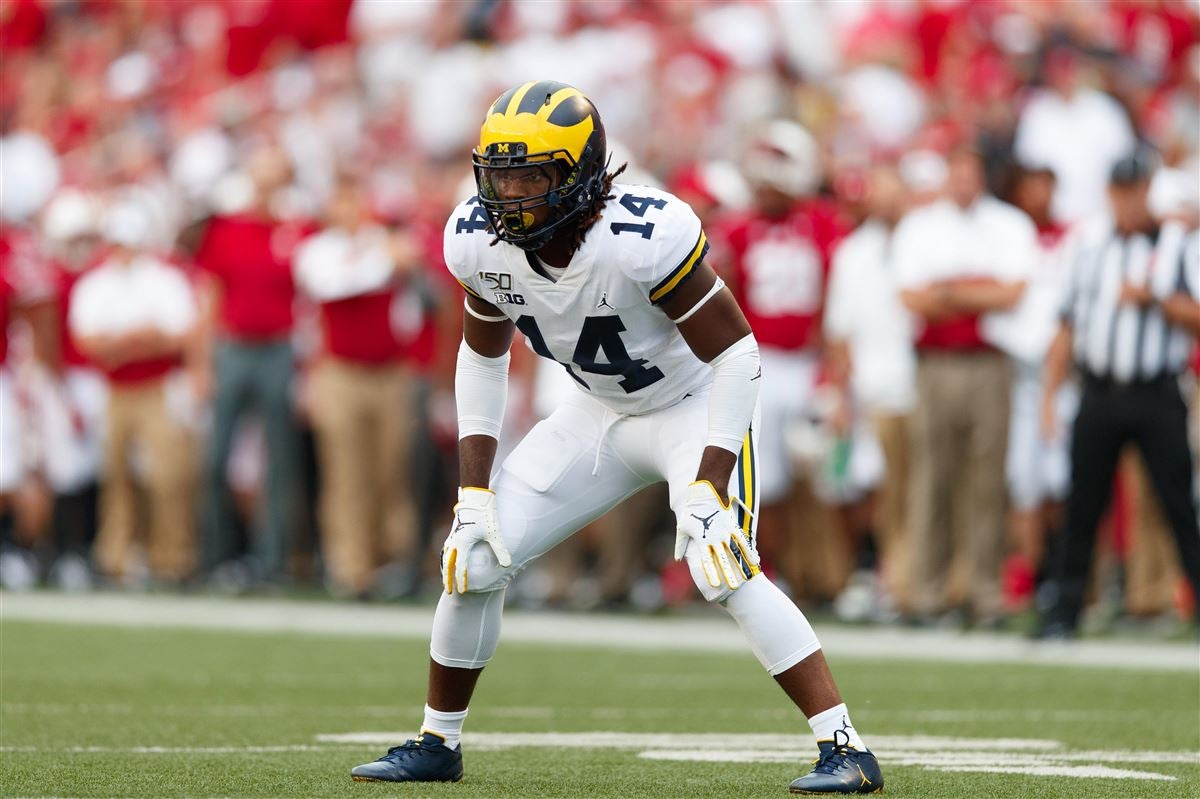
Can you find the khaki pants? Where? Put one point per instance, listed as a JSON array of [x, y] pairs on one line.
[[138, 418], [816, 560], [958, 439], [364, 423], [892, 508]]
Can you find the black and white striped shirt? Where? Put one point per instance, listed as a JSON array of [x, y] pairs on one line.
[[1127, 342]]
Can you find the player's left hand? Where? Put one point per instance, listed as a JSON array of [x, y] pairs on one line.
[[474, 521], [710, 525]]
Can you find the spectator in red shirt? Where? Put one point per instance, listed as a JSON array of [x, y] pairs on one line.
[[361, 390], [247, 260]]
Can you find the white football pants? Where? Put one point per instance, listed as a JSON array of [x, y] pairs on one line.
[[572, 468]]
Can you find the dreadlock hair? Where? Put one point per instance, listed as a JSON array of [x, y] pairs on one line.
[[593, 215]]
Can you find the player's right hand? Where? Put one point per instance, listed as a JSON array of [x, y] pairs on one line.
[[708, 525], [474, 521]]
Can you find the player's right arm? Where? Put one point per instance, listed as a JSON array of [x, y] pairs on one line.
[[480, 389], [480, 395]]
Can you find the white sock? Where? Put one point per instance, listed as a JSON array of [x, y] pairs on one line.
[[447, 725], [836, 719]]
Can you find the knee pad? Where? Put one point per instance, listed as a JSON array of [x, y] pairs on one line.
[[466, 629], [779, 635]]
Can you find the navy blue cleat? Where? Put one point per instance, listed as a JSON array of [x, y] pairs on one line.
[[425, 758], [840, 769]]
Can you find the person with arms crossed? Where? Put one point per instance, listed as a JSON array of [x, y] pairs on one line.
[[958, 261], [133, 315], [609, 280]]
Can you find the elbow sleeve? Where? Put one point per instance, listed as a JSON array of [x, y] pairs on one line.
[[480, 392], [734, 395]]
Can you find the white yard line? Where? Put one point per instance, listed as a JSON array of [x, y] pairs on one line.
[[711, 633]]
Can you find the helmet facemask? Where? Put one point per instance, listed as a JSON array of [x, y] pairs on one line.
[[546, 179]]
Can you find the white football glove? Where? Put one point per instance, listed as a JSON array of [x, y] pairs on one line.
[[474, 521], [712, 528]]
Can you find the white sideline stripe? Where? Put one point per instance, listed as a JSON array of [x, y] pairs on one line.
[[712, 633]]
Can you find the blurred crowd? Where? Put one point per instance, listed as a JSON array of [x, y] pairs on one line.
[[228, 334]]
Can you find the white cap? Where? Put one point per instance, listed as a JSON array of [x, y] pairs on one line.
[[784, 156], [70, 214]]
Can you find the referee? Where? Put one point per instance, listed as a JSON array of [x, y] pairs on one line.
[[1130, 318]]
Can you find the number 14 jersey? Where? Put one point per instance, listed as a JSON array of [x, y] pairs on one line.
[[601, 319]]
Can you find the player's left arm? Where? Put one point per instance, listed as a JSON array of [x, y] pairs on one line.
[[714, 327]]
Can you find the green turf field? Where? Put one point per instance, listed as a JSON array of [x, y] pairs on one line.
[[101, 711]]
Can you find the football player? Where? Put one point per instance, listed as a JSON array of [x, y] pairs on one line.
[[608, 280]]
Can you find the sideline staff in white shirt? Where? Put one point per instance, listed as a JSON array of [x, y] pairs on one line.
[[958, 261], [132, 315]]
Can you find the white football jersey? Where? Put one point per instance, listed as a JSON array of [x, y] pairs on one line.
[[600, 319]]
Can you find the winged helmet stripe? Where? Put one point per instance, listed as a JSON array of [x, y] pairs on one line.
[[536, 96], [518, 96]]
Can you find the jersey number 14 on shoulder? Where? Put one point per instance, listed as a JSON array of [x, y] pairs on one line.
[[638, 207]]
